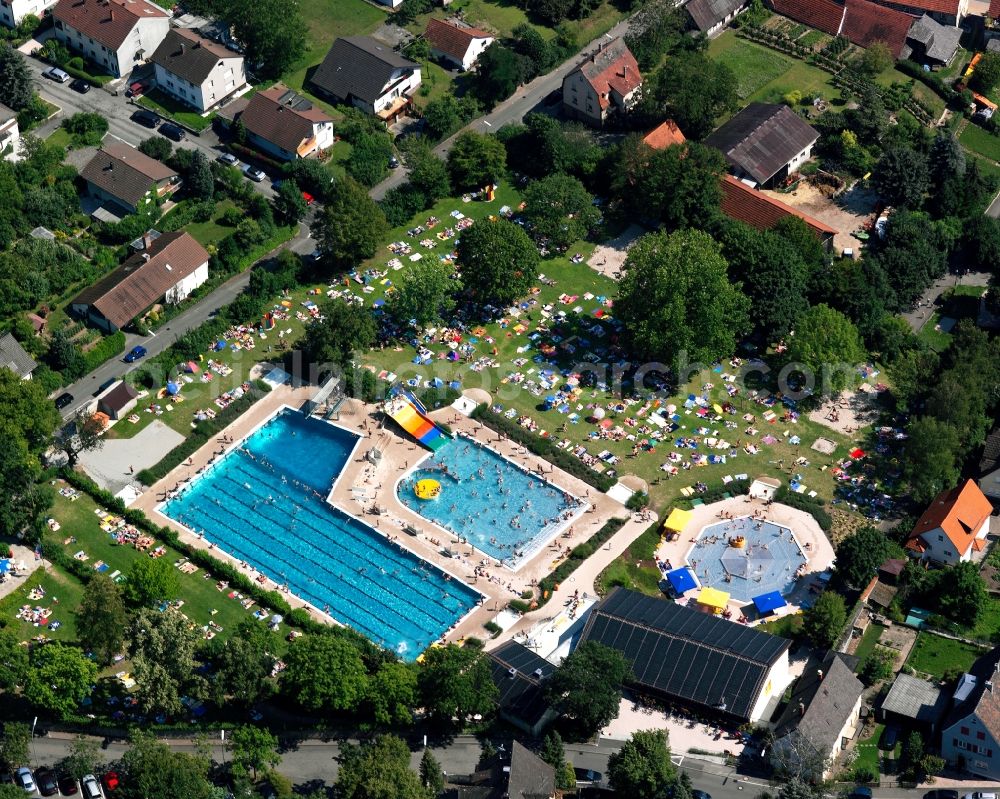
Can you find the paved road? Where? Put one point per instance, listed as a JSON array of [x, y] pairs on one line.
[[514, 108], [311, 763], [117, 110], [84, 388], [926, 307], [994, 209]]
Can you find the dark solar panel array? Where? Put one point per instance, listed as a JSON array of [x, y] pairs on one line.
[[522, 695], [686, 655]]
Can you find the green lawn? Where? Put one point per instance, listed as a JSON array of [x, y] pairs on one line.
[[937, 340], [213, 231], [868, 641], [987, 626], [927, 96], [934, 655], [786, 627], [501, 17], [753, 65], [635, 568], [868, 752], [62, 596], [981, 142], [60, 138], [765, 75], [327, 20], [166, 106]]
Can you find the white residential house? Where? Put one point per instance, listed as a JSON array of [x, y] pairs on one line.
[[954, 526], [10, 134], [197, 71], [369, 75], [116, 35], [970, 736], [282, 123], [456, 44], [607, 82], [12, 12]]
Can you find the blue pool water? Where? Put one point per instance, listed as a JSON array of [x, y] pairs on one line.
[[767, 563], [493, 503], [264, 503]]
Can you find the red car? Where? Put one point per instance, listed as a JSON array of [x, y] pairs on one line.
[[136, 89], [110, 782], [308, 198]]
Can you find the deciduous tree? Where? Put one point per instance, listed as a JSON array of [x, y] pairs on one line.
[[827, 343], [475, 161], [59, 678], [824, 621], [498, 262], [424, 293], [14, 744], [13, 661], [378, 769], [243, 665], [334, 339], [351, 226], [987, 73], [83, 757], [642, 767], [587, 686], [901, 177], [930, 457], [150, 580], [151, 770], [101, 619], [254, 749], [675, 298], [392, 694], [860, 555], [455, 682], [162, 647], [325, 673], [289, 204], [693, 91], [273, 33], [560, 210]]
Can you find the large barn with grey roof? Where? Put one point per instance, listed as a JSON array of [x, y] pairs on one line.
[[692, 659]]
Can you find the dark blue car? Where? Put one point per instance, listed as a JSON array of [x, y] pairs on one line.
[[135, 354]]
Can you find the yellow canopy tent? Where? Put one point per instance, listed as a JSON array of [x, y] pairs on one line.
[[713, 598], [677, 520]]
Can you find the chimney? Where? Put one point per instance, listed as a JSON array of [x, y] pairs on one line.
[[989, 686], [147, 241], [111, 12], [819, 673], [802, 708], [145, 257], [182, 48]]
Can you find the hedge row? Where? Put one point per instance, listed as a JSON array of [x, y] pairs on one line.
[[932, 80], [202, 433], [807, 504], [579, 554], [108, 348], [543, 447]]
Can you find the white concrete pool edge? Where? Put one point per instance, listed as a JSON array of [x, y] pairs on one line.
[[538, 544]]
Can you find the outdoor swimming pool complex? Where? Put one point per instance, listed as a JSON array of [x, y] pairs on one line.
[[265, 502], [491, 502], [768, 560]]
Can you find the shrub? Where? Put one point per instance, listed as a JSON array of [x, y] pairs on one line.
[[807, 504], [493, 628], [543, 447], [86, 129], [579, 554], [109, 347]]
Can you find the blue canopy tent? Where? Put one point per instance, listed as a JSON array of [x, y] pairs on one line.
[[769, 602], [4, 566], [681, 580]]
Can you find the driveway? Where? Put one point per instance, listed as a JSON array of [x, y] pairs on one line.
[[918, 317]]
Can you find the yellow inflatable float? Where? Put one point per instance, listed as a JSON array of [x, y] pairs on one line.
[[427, 489]]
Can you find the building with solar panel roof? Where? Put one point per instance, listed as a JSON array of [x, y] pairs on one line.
[[692, 659]]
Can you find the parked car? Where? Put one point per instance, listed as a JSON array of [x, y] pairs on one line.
[[135, 354], [980, 795], [146, 118], [63, 400], [889, 738], [941, 794], [700, 795], [45, 779], [136, 89], [110, 781], [172, 131], [861, 792], [91, 787], [25, 780], [229, 159], [56, 74], [256, 175], [80, 85], [393, 163], [105, 385], [586, 776], [68, 786]]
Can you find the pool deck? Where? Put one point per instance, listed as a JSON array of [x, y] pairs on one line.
[[817, 549], [363, 485]]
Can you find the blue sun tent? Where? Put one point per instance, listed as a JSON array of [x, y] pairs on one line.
[[765, 603], [681, 580]]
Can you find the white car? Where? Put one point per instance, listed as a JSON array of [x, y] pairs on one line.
[[91, 788], [979, 795], [25, 780]]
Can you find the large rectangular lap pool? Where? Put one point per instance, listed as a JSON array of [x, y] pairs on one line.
[[264, 502]]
